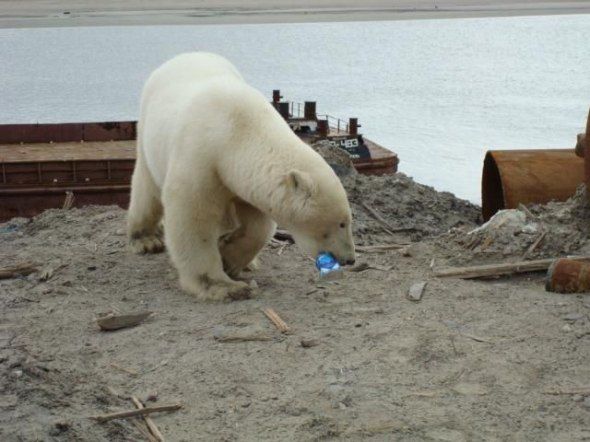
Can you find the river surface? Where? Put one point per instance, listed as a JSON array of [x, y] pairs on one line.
[[438, 92]]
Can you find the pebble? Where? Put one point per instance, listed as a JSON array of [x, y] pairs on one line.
[[566, 328], [586, 403], [253, 284], [416, 291], [309, 342]]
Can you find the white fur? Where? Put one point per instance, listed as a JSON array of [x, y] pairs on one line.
[[221, 165]]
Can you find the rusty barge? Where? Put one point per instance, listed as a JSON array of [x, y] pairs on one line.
[[93, 162]]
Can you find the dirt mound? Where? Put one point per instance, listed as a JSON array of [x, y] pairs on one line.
[[404, 204], [539, 231]]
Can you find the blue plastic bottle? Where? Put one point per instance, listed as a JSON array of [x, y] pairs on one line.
[[328, 266]]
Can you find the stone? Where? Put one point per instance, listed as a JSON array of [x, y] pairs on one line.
[[416, 291]]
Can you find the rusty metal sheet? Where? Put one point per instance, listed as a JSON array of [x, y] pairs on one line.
[[67, 132], [511, 177]]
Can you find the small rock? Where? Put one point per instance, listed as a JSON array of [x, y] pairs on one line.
[[586, 403], [17, 373], [253, 284], [566, 328], [309, 342], [416, 291], [578, 398], [152, 397]]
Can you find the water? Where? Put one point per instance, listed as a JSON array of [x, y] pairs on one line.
[[437, 92]]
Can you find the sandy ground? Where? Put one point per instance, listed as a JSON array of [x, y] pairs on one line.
[[43, 13], [472, 361]]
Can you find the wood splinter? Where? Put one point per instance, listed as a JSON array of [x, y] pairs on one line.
[[276, 320], [138, 412]]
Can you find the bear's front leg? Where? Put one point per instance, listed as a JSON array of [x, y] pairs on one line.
[[191, 225], [240, 249]]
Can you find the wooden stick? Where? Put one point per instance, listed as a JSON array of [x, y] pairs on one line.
[[144, 431], [534, 245], [276, 320], [501, 269], [115, 322], [387, 227], [148, 420], [132, 413], [69, 200], [17, 270]]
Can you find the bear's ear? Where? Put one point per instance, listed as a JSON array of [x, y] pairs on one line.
[[300, 183]]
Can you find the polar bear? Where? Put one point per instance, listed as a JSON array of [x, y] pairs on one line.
[[220, 167]]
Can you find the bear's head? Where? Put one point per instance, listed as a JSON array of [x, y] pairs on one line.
[[318, 214]]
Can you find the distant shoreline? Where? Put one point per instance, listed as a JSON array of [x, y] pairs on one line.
[[35, 14]]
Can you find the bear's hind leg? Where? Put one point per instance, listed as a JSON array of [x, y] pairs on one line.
[[192, 221], [239, 251], [145, 212]]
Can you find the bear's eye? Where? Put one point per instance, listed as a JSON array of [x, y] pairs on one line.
[[342, 225]]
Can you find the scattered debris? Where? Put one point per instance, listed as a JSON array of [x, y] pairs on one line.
[[416, 291], [533, 232], [138, 412], [23, 269], [113, 321], [276, 320]]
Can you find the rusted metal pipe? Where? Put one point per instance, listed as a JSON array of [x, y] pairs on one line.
[[511, 177], [309, 112], [568, 276]]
